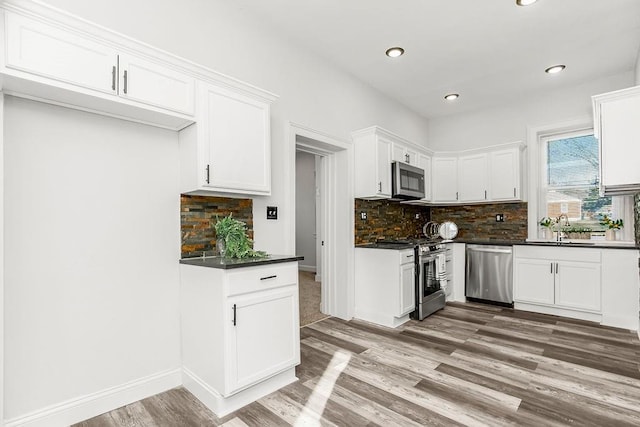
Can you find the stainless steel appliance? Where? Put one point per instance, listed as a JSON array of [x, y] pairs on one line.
[[430, 296], [489, 274], [407, 181]]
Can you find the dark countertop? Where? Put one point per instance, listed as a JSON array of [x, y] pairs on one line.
[[597, 244], [394, 246], [229, 263]]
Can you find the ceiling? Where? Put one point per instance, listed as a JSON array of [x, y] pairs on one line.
[[491, 52]]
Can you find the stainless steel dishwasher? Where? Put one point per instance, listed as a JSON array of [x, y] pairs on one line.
[[489, 274]]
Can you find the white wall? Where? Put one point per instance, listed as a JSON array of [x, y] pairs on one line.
[[91, 248], [312, 92], [638, 69], [509, 123], [306, 210]]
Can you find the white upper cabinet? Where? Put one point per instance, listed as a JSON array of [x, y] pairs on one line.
[[402, 153], [375, 149], [617, 127], [504, 174], [424, 162], [485, 175], [372, 165], [445, 179], [472, 178], [229, 151], [50, 52], [148, 82], [55, 62]]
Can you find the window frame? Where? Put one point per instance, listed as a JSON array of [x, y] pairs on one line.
[[539, 182]]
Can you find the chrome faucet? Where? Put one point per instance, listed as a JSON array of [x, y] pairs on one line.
[[559, 222]]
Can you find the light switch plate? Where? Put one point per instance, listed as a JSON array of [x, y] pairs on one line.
[[499, 217], [272, 212]]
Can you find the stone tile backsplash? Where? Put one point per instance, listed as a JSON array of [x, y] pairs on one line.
[[198, 216], [636, 214], [388, 220], [479, 221]]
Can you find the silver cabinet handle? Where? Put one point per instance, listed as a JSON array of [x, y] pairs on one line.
[[269, 277], [485, 194], [207, 172], [514, 191], [113, 78], [551, 264], [125, 78], [380, 186], [456, 195], [234, 315]]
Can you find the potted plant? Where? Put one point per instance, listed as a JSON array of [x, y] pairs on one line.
[[612, 225], [232, 240], [547, 227]]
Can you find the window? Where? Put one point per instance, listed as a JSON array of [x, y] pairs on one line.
[[569, 187]]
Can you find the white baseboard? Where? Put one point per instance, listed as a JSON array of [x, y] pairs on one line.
[[222, 406], [76, 410], [309, 268]]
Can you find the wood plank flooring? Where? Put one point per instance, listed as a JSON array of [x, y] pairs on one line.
[[469, 364]]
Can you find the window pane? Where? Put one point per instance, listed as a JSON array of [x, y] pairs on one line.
[[583, 206], [572, 161]]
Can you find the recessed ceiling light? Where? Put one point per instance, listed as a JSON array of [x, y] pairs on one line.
[[555, 69], [394, 52], [525, 2], [452, 96]]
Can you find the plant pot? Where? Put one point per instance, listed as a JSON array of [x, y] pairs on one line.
[[547, 233], [610, 235], [221, 246]]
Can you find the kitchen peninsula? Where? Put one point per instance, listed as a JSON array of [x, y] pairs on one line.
[[240, 328]]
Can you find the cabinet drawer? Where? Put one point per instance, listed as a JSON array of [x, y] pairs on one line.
[[261, 278], [555, 253]]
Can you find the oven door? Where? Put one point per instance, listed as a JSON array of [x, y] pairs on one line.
[[429, 281]]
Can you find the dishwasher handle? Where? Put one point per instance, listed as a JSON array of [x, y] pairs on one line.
[[490, 250]]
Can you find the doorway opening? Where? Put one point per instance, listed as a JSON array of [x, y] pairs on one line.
[[334, 240], [309, 233]]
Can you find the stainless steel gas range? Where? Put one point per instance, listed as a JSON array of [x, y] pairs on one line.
[[430, 273]]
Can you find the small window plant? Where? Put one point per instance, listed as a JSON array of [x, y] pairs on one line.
[[236, 242], [612, 224], [547, 222]]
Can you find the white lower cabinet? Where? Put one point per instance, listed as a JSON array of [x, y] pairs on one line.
[[566, 279], [384, 285], [240, 332]]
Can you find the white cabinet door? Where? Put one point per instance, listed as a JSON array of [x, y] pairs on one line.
[[472, 178], [398, 153], [383, 168], [534, 281], [236, 133], [53, 53], [619, 136], [153, 84], [504, 174], [265, 337], [407, 289], [445, 179], [578, 285], [424, 162]]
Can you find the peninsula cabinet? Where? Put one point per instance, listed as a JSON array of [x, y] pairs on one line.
[[49, 60], [229, 150], [240, 332]]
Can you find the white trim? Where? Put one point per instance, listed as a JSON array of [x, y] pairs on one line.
[[534, 133], [2, 389], [309, 268], [337, 205], [221, 405], [75, 410]]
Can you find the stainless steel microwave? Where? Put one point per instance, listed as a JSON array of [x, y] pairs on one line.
[[407, 181]]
